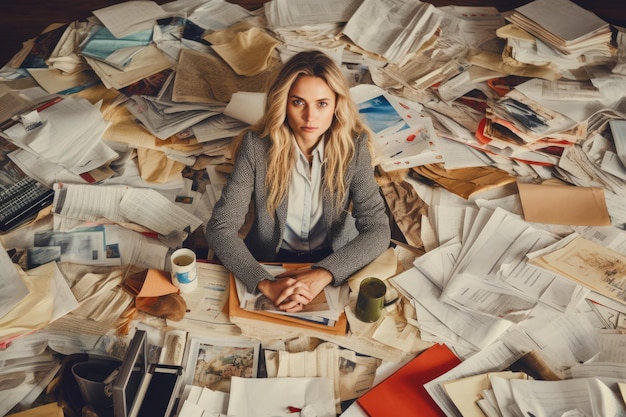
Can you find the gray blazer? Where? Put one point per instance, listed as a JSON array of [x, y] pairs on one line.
[[358, 235]]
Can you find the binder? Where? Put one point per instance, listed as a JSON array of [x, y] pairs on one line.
[[403, 393], [142, 389]]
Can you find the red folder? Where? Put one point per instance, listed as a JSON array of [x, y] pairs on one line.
[[403, 393]]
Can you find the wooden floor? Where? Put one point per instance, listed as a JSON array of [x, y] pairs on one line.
[[21, 20]]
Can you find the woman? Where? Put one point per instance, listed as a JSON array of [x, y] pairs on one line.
[[307, 170]]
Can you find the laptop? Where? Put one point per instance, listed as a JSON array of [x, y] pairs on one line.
[[22, 200]]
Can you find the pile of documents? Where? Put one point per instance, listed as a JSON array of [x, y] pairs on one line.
[[564, 26], [73, 125], [258, 318], [558, 36], [324, 309], [415, 24], [102, 45]]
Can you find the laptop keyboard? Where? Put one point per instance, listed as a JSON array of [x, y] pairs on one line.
[[21, 201]]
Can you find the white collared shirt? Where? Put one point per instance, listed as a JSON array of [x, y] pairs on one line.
[[305, 229]]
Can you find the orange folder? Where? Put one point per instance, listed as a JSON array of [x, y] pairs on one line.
[[340, 327], [403, 393]]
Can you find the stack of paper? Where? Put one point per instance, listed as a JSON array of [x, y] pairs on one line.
[[207, 306], [273, 323], [148, 61], [469, 292], [474, 395], [198, 401], [596, 267], [415, 23], [164, 118], [402, 138], [272, 396], [563, 25], [65, 131], [493, 394], [130, 17], [324, 309], [122, 204], [100, 44], [284, 13], [518, 127], [33, 374]]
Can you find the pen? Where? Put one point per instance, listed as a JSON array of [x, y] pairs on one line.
[[48, 103]]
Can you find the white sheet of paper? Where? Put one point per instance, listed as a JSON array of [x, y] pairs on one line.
[[493, 358], [64, 299], [69, 134], [12, 287], [479, 330], [273, 396], [165, 217], [129, 17], [551, 398], [246, 106]]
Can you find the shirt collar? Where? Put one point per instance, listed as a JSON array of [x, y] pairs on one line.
[[318, 151]]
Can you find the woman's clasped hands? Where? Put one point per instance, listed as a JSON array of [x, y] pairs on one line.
[[292, 290]]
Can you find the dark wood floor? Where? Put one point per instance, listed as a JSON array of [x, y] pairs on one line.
[[24, 19]]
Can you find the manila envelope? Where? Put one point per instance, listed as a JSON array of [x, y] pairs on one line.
[[564, 204]]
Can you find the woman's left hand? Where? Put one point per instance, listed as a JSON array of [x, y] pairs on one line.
[[314, 279]]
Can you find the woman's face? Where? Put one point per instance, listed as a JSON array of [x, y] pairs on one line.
[[310, 110]]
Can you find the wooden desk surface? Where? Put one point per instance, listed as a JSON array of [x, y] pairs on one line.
[[24, 19]]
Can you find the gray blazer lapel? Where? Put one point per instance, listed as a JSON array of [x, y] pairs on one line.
[[281, 215]]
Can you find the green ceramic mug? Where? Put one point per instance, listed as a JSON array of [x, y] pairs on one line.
[[370, 300]]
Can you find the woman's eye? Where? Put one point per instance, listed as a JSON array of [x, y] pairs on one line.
[[297, 102], [322, 104]]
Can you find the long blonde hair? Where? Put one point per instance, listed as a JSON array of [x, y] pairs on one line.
[[339, 138]]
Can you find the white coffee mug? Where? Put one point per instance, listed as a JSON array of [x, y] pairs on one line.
[[184, 274]]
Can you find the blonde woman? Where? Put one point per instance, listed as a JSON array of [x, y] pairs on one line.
[[306, 167]]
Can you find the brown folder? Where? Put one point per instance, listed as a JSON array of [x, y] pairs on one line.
[[339, 328]]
